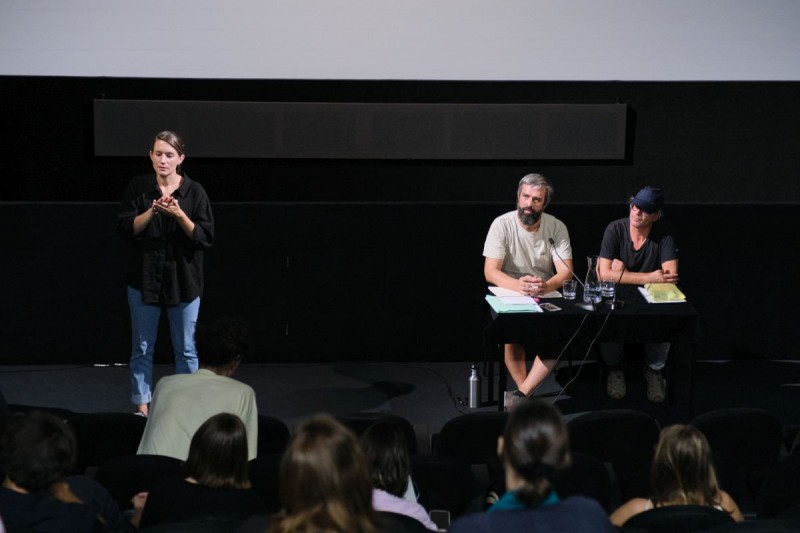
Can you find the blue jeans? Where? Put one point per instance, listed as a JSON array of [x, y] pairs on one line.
[[144, 328]]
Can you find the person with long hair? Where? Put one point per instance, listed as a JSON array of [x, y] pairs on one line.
[[324, 482], [389, 464], [682, 473], [534, 449], [167, 219], [216, 482]]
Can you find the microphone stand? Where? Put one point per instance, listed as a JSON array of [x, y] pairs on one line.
[[553, 244], [588, 306], [617, 304]]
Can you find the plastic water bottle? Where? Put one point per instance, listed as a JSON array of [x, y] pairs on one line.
[[474, 387]]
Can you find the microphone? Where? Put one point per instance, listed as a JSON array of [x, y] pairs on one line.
[[553, 244]]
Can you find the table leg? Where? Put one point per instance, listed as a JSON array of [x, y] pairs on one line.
[[502, 376]]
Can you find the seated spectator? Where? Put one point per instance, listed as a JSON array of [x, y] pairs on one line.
[[36, 452], [216, 482], [324, 483], [682, 474], [533, 449], [182, 402], [389, 465]]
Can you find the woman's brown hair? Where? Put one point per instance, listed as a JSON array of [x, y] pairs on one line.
[[325, 486], [536, 446], [218, 453]]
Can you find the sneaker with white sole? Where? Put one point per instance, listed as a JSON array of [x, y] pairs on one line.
[[615, 384], [656, 385]]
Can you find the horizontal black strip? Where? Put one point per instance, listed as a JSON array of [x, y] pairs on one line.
[[314, 130]]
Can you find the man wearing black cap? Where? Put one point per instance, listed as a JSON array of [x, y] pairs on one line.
[[636, 250]]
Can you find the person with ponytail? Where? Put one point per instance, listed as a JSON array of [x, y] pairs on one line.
[[534, 449]]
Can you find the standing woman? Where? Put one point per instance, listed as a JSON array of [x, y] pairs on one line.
[[168, 221]]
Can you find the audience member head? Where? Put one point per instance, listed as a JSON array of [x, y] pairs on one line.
[[37, 450], [682, 471], [534, 449], [388, 461], [537, 181], [221, 344], [324, 484], [218, 453]]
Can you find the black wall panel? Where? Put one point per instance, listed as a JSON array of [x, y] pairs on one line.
[[712, 142], [323, 130], [365, 282]]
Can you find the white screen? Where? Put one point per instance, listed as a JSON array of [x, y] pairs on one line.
[[596, 40]]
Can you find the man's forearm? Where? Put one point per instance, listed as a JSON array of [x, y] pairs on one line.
[[556, 282], [501, 279]]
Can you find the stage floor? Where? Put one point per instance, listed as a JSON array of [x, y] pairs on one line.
[[427, 394]]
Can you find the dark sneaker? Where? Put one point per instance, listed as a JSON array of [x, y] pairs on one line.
[[656, 385], [615, 385]]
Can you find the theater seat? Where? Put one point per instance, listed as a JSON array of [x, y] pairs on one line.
[[102, 436], [754, 437], [624, 438], [273, 435], [781, 490], [127, 475], [677, 518]]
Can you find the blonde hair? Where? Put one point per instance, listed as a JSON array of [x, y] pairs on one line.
[[683, 471]]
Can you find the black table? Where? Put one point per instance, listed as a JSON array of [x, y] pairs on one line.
[[636, 321]]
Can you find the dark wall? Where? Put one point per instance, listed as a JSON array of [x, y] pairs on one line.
[[704, 142], [382, 259]]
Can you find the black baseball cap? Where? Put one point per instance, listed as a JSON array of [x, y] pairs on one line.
[[649, 199]]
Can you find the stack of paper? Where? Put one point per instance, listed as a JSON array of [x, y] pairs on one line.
[[513, 304], [662, 293], [499, 291]]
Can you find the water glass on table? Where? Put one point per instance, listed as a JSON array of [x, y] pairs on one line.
[[608, 287], [569, 288]]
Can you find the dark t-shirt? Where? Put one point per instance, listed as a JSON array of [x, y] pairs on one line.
[[41, 512], [659, 247], [176, 500]]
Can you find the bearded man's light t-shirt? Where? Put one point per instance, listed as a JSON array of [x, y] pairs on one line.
[[524, 252]]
